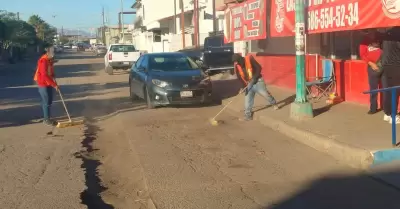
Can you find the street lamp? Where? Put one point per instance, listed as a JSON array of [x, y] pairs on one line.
[[301, 108]]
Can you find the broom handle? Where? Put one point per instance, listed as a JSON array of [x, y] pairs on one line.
[[65, 107], [229, 103]]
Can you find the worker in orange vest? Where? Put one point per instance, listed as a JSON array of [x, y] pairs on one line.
[[248, 71], [44, 77]]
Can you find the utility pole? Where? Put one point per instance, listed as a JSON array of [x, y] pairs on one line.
[[195, 17], [17, 15], [214, 17], [175, 29], [182, 23], [122, 21], [103, 28], [301, 108]]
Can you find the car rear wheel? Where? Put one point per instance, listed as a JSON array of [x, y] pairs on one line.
[[109, 70], [150, 104]]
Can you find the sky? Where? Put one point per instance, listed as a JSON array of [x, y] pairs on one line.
[[71, 14]]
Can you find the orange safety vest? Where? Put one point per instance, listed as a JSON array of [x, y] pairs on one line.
[[247, 74], [50, 69]]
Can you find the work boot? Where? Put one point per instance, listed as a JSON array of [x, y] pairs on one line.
[[246, 118], [49, 122]]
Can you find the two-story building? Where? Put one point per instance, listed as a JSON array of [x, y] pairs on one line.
[[158, 27]]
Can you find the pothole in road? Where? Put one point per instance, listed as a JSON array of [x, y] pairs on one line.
[[91, 195]]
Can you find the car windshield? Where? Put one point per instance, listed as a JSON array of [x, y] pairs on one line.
[[171, 62], [122, 48], [217, 42]]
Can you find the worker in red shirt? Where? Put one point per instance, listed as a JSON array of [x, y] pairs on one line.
[[45, 80], [371, 52]]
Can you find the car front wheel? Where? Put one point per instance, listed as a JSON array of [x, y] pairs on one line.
[[150, 104], [132, 95]]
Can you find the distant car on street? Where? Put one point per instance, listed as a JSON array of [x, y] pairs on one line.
[[74, 47], [120, 57], [169, 78], [100, 51], [67, 46]]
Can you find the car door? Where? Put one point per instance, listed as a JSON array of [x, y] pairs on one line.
[[142, 74], [135, 87]]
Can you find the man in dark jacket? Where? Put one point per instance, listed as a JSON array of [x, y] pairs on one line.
[[390, 62], [248, 71]]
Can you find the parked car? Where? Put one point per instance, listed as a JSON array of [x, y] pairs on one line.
[[67, 46], [74, 47], [58, 49], [217, 55], [169, 78], [100, 51], [80, 47], [120, 57]]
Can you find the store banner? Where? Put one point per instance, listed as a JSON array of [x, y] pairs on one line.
[[334, 15], [245, 21]]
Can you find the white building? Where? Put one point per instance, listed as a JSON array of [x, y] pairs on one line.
[[157, 26]]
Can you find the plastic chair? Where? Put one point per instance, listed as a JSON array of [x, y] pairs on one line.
[[325, 83]]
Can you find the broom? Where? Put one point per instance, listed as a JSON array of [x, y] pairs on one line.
[[69, 122]]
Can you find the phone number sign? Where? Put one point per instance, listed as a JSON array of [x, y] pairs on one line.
[[245, 21], [335, 15]]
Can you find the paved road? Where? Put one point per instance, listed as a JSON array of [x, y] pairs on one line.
[[129, 157]]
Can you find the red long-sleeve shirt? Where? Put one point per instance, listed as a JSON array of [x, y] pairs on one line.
[[368, 52], [45, 73]]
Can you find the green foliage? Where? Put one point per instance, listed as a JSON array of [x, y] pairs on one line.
[[64, 40], [45, 32], [18, 33], [15, 32]]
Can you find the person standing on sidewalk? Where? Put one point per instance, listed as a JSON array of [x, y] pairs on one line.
[[248, 71], [370, 52], [44, 78], [391, 67]]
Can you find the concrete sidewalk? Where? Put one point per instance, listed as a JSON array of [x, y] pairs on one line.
[[343, 131]]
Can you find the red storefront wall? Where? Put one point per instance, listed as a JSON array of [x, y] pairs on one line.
[[351, 75]]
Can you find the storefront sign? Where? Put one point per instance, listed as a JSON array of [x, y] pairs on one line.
[[334, 15], [245, 21]]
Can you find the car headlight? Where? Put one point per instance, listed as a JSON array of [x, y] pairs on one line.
[[159, 83]]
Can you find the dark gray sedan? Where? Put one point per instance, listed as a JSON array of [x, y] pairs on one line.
[[169, 78]]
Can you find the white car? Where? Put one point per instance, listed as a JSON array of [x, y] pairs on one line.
[[120, 57], [74, 46]]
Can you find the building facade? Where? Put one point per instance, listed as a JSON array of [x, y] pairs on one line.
[[159, 28]]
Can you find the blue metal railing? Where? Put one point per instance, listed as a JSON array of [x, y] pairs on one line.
[[393, 91]]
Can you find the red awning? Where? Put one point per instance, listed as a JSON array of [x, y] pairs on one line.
[[338, 15]]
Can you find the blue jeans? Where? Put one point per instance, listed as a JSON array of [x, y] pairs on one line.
[[46, 94], [260, 89]]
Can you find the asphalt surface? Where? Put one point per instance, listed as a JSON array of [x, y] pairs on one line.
[[126, 156]]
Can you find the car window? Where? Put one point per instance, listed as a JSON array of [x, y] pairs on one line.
[[216, 41], [122, 48], [145, 62], [171, 62], [138, 62]]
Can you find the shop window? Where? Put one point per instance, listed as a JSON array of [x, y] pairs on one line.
[[313, 44]]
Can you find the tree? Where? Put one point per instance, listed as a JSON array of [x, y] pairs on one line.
[[44, 31], [64, 40], [14, 32]]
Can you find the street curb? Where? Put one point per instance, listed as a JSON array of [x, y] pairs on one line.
[[353, 156]]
